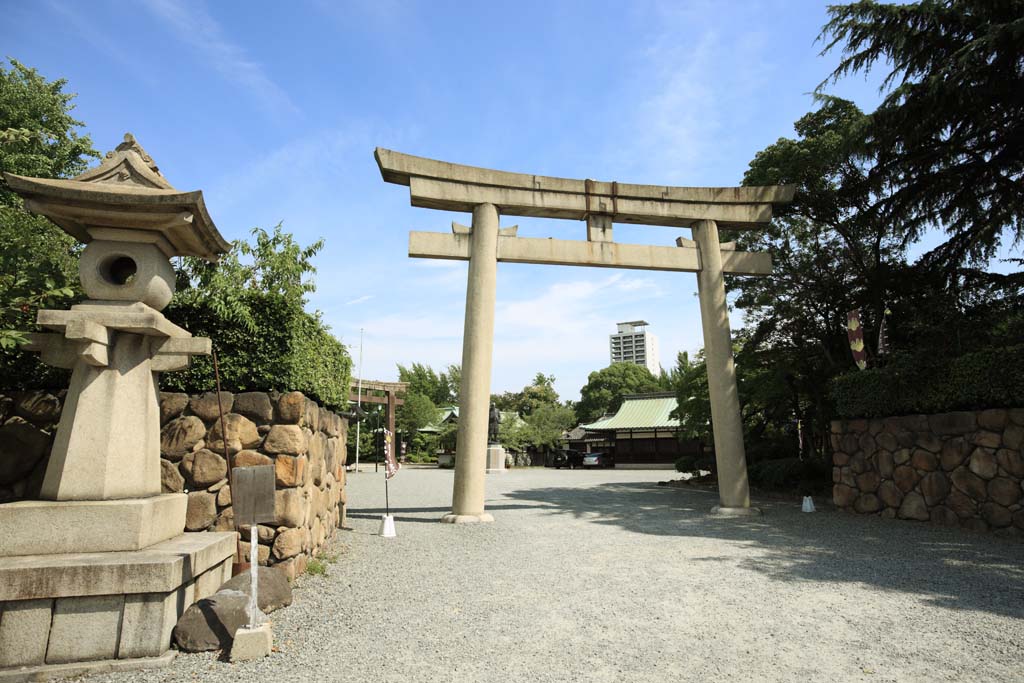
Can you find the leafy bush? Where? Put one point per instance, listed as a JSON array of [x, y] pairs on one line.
[[803, 476], [909, 384]]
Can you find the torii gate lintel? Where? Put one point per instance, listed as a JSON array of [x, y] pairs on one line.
[[441, 185]]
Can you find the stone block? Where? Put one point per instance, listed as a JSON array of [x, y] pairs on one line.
[[210, 581], [206, 406], [180, 435], [252, 643], [960, 422], [987, 439], [84, 629], [289, 439], [868, 482], [254, 405], [953, 453], [983, 463], [924, 460], [202, 511], [963, 505], [905, 477], [290, 470], [994, 419], [969, 483], [867, 503], [1012, 461], [1013, 437], [944, 516], [147, 623], [288, 543], [274, 590], [247, 458], [289, 507], [843, 496], [901, 457], [1004, 491], [22, 446], [171, 480], [887, 441], [291, 407], [24, 632], [914, 507], [934, 487], [211, 623], [245, 553], [224, 496], [890, 494], [996, 515], [886, 465], [225, 520], [34, 527], [172, 405], [241, 434]]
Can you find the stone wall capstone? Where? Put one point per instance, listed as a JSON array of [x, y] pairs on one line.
[[303, 441], [963, 468]]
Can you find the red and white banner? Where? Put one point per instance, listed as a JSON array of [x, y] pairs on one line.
[[391, 465]]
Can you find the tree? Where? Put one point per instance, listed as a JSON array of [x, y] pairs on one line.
[[441, 387], [605, 388], [38, 260], [540, 392], [947, 137]]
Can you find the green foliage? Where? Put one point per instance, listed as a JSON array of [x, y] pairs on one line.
[[38, 260], [540, 392], [910, 384], [946, 138], [440, 387], [316, 567], [253, 310], [605, 388]]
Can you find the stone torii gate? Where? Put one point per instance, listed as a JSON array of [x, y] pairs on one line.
[[487, 193]]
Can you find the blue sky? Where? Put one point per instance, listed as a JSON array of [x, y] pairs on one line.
[[273, 109]]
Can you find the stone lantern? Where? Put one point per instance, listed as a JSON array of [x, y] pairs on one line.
[[102, 523]]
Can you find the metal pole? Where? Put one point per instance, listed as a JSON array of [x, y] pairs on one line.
[[359, 394]]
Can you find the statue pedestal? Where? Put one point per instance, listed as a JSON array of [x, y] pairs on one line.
[[496, 459]]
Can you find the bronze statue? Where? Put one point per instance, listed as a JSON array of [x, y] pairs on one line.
[[492, 428]]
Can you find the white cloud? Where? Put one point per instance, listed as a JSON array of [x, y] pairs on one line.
[[194, 25], [359, 300]]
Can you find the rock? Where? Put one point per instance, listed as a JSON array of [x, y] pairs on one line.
[[886, 464], [273, 590], [288, 439], [38, 407], [264, 534], [254, 405], [201, 511], [914, 507], [867, 443], [983, 463], [987, 439], [179, 436], [905, 477], [890, 494], [245, 553], [1013, 437], [241, 434], [846, 477], [929, 442], [848, 443], [171, 480], [224, 496], [225, 520], [288, 507], [172, 405], [901, 457], [994, 419], [311, 416], [868, 482], [914, 423], [291, 407], [22, 446], [934, 487], [887, 441], [924, 460], [1004, 491], [969, 483], [288, 543], [858, 464], [888, 513], [867, 503], [1011, 461], [843, 496], [251, 459], [962, 504], [207, 407], [954, 451], [944, 516], [207, 468], [290, 470], [210, 623], [960, 422], [837, 475], [996, 515], [1018, 519], [838, 458]]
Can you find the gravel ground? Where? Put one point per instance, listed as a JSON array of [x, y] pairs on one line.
[[604, 576]]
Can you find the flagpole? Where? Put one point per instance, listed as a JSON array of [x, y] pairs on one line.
[[359, 394]]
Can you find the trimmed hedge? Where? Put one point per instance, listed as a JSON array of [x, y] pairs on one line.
[[291, 350], [913, 384]]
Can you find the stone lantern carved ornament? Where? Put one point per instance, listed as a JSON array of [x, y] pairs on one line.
[[102, 509]]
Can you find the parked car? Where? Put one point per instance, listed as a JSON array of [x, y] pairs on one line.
[[565, 458], [598, 460]]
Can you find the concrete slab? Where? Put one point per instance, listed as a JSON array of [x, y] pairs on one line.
[[85, 629], [24, 630], [252, 643], [161, 568], [54, 671], [44, 527]]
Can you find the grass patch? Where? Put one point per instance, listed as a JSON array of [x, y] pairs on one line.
[[316, 567]]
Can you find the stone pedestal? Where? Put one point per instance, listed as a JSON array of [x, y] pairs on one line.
[[103, 610], [495, 459]]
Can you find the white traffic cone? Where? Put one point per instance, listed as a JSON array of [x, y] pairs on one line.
[[387, 526], [808, 504]]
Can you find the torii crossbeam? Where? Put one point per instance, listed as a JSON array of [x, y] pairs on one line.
[[486, 193]]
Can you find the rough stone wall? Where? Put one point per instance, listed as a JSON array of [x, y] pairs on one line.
[[304, 442], [957, 469]]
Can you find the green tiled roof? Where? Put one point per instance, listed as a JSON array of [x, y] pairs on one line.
[[643, 411]]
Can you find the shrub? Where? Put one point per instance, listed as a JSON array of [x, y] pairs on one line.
[[910, 384]]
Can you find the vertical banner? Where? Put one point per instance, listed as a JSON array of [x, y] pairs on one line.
[[855, 333], [391, 465]]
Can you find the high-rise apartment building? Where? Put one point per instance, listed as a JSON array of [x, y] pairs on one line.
[[634, 344]]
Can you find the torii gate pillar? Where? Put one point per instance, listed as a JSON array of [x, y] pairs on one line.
[[477, 354]]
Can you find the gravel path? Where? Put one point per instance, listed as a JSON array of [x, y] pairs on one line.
[[604, 576]]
